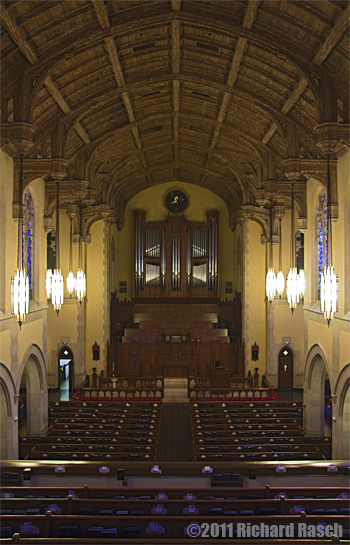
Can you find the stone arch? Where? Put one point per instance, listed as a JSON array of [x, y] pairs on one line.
[[314, 381], [341, 416], [36, 390], [8, 423]]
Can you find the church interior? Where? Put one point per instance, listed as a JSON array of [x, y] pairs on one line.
[[174, 272]]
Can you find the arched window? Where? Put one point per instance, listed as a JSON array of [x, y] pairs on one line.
[[322, 239], [28, 238]]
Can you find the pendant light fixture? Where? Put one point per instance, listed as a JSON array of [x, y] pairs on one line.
[[20, 281], [71, 280], [271, 275], [54, 279], [329, 283], [293, 289], [301, 284], [280, 275], [81, 278]]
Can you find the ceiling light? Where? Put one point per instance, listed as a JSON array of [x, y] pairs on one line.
[[329, 282], [54, 279], [20, 281]]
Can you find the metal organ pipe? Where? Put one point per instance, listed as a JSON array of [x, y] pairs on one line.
[[215, 255], [189, 254], [163, 257], [141, 256]]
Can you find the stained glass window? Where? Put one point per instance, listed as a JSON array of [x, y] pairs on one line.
[[28, 238], [322, 237]]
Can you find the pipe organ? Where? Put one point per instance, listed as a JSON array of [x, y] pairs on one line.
[[176, 257]]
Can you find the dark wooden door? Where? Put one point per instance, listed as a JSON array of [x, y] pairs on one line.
[[285, 373]]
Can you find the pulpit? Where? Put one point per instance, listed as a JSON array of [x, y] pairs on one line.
[[219, 377]]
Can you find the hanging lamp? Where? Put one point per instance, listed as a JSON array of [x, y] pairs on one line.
[[71, 280], [293, 289], [301, 284], [54, 279], [81, 278], [20, 281], [280, 275], [329, 282], [271, 275]]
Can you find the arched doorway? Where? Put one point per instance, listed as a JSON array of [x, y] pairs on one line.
[[316, 372], [65, 369], [285, 368], [341, 415], [35, 397], [345, 423], [8, 424], [35, 387]]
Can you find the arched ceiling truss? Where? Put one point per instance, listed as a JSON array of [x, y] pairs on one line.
[[127, 94]]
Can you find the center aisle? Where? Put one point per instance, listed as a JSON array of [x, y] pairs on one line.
[[175, 441]]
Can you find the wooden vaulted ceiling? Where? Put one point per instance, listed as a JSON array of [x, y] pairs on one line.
[[152, 91]]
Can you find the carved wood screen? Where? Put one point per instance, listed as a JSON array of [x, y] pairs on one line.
[[176, 257]]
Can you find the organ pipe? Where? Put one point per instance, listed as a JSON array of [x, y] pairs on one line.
[[200, 253], [188, 258], [213, 254], [163, 256]]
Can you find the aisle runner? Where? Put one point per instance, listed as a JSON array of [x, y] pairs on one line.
[[175, 441]]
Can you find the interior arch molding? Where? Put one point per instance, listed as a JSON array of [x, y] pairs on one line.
[[34, 352]]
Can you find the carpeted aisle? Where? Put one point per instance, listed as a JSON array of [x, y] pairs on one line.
[[175, 442]]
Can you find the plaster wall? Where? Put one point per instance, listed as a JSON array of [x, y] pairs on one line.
[[8, 233], [13, 341], [254, 314], [96, 275]]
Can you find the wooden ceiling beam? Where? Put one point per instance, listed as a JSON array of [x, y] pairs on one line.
[[111, 49], [56, 95], [175, 45], [294, 97], [20, 39], [235, 66], [190, 147], [175, 65], [60, 101], [101, 12], [236, 61], [82, 133], [269, 134], [310, 10], [176, 95], [175, 5], [114, 60], [18, 36], [128, 107], [333, 36], [249, 14]]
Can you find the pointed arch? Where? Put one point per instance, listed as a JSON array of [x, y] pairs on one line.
[[341, 415], [36, 390], [314, 381], [8, 420]]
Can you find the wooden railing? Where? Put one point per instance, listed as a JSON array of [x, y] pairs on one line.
[[122, 388], [231, 394]]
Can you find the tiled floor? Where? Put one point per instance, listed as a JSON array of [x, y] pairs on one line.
[[61, 394]]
